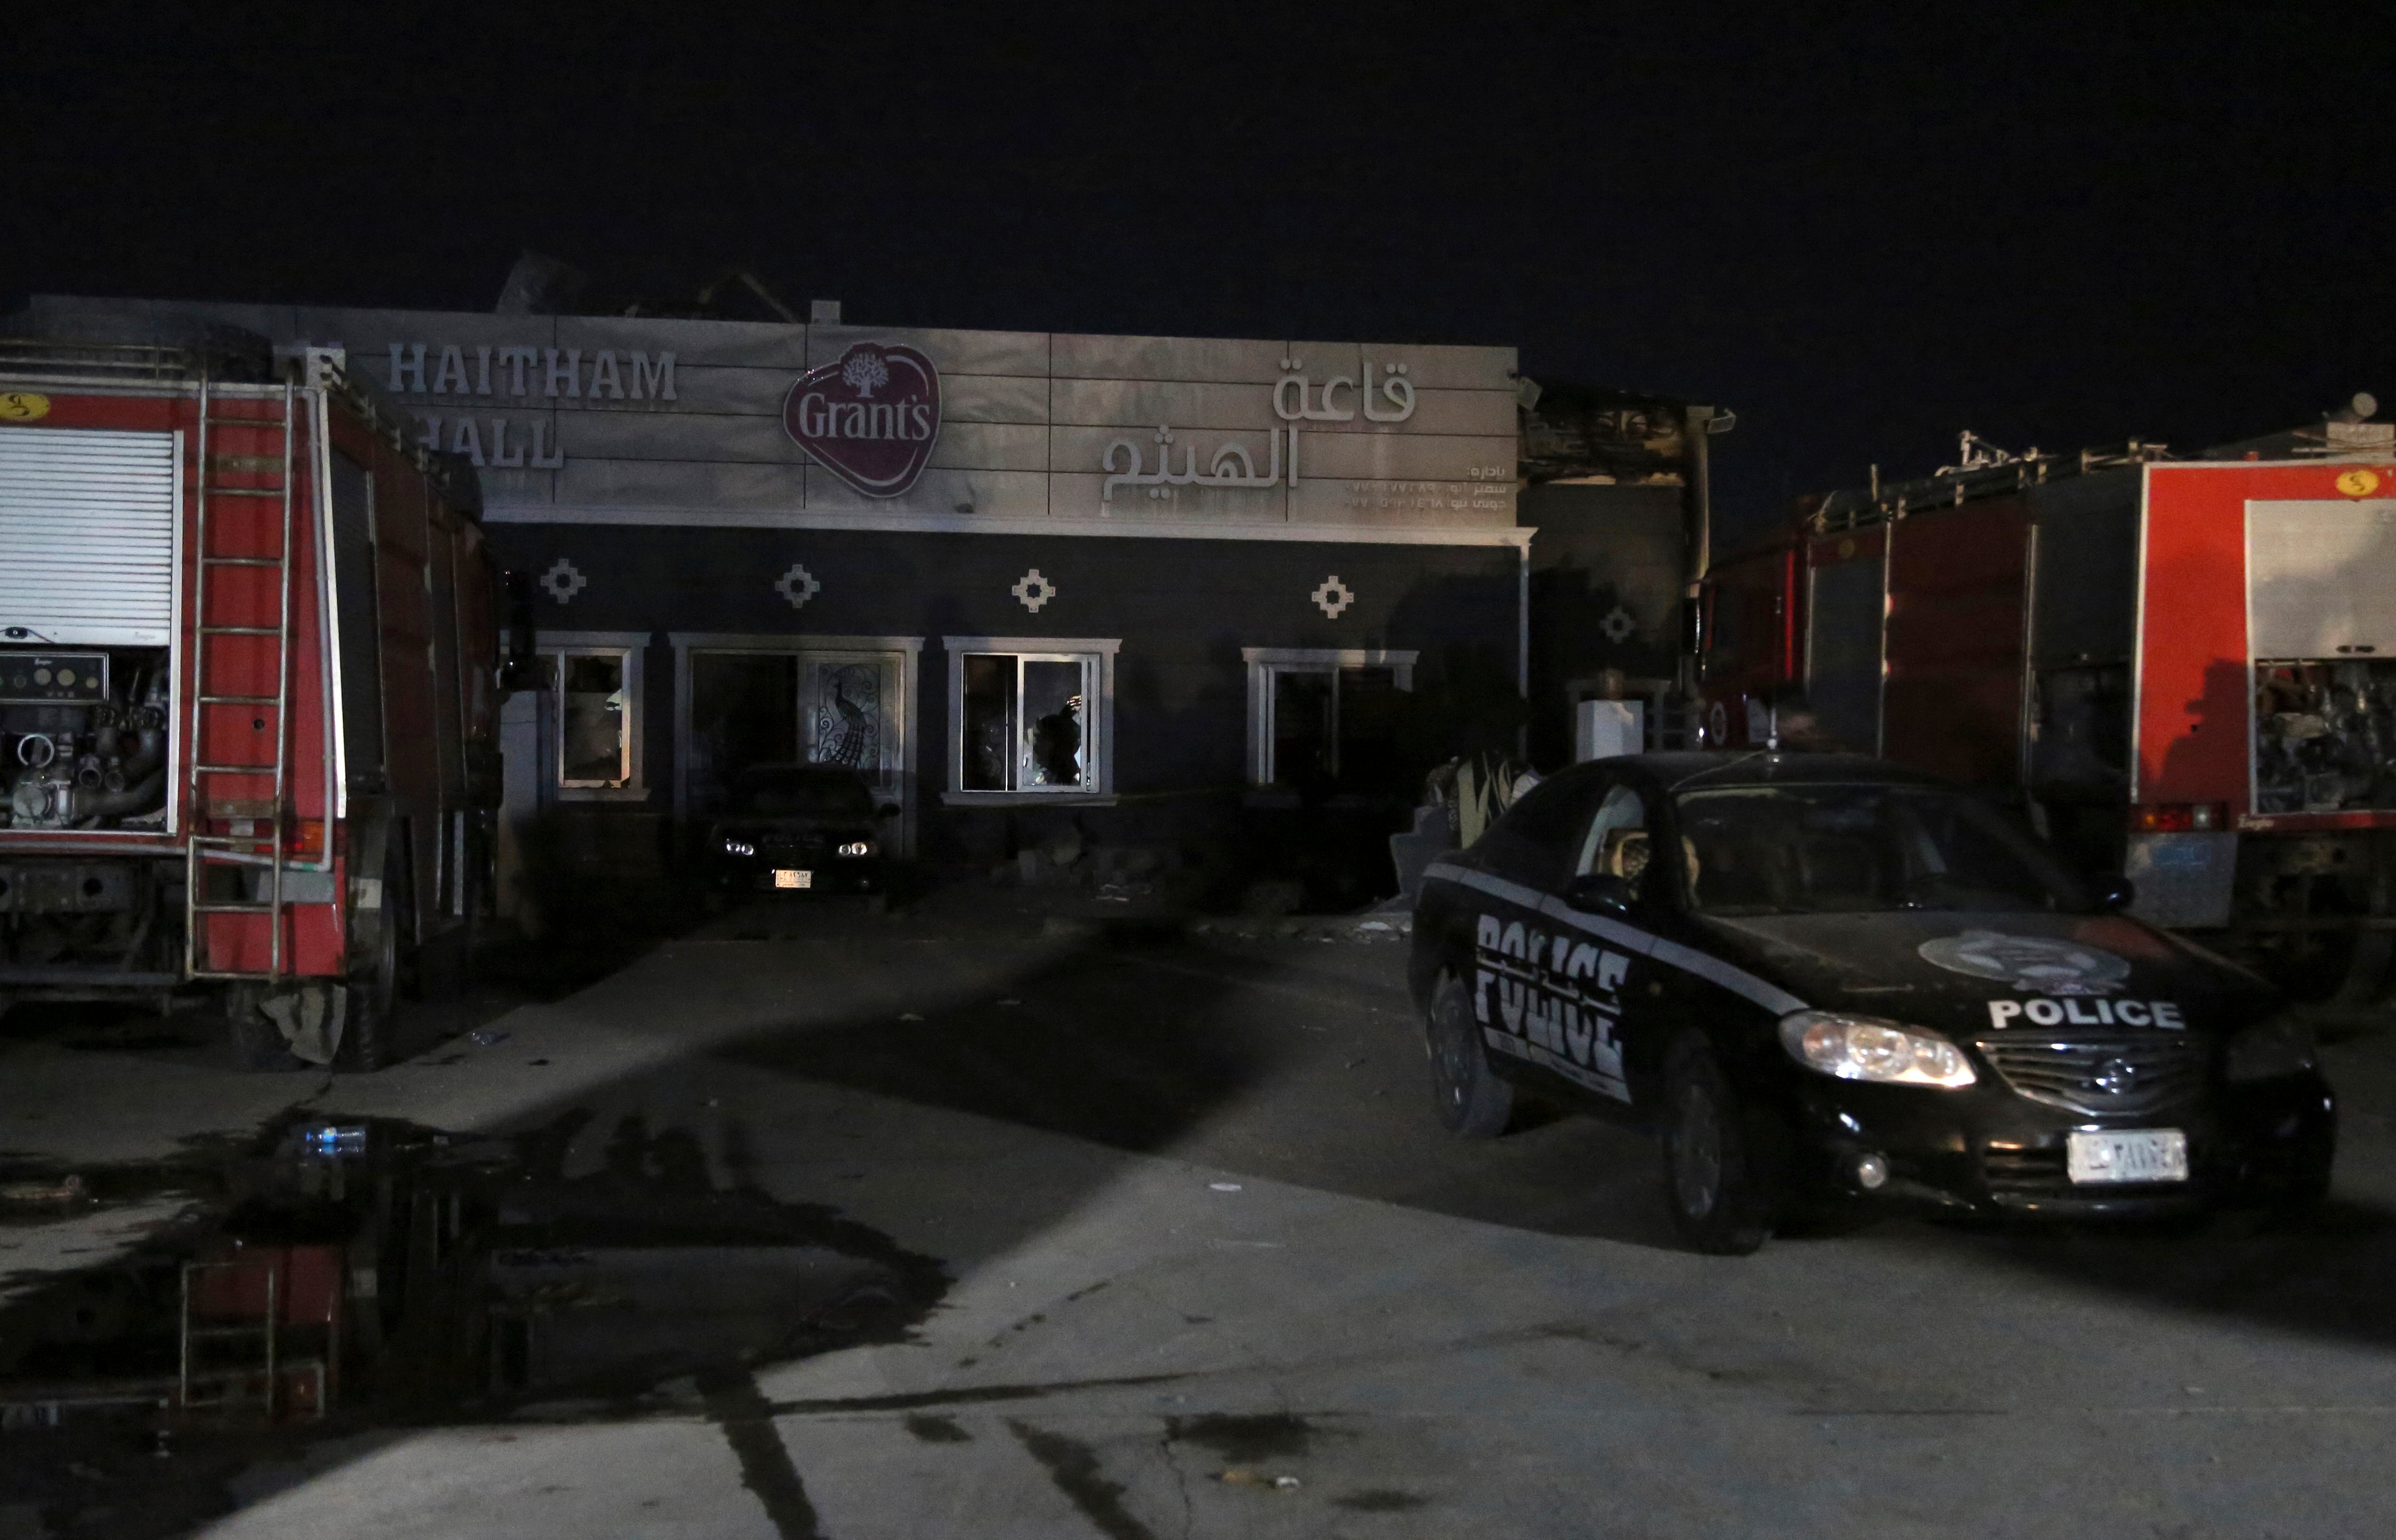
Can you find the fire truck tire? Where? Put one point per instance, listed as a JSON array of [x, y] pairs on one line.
[[374, 984]]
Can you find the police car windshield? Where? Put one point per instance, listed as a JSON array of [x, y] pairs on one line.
[[1861, 849]]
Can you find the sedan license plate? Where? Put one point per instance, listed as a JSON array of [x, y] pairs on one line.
[[2128, 1155], [786, 879]]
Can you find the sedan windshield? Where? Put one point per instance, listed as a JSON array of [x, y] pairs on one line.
[[801, 791], [1861, 849]]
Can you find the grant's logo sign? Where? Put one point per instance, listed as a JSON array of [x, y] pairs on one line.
[[870, 418]]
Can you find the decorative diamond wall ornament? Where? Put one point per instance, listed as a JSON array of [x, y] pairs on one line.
[[563, 580], [1618, 624], [1333, 596], [798, 586], [1033, 590]]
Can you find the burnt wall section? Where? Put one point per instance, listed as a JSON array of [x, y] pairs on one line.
[[1606, 574], [1182, 611]]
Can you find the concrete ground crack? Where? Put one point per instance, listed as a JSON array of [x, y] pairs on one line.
[[1180, 1482]]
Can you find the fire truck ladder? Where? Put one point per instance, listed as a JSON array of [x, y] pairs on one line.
[[212, 764]]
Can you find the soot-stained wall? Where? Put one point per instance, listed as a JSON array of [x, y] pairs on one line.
[[1182, 610]]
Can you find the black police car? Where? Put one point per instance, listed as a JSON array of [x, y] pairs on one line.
[[799, 828], [1830, 981]]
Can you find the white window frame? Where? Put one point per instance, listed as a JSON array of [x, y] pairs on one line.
[[1097, 717], [1266, 665], [631, 646]]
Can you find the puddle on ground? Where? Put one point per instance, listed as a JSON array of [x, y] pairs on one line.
[[417, 1277]]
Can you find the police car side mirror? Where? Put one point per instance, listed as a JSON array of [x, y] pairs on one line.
[[1599, 893], [2112, 894]]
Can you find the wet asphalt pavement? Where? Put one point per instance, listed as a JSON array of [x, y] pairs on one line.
[[822, 1223]]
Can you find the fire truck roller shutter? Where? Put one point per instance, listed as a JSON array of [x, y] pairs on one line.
[[88, 536]]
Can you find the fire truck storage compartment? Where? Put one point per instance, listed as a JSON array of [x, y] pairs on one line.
[[89, 546], [1952, 697], [84, 738], [2322, 639], [88, 536], [1847, 590]]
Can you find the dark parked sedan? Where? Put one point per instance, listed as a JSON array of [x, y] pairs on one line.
[[1826, 980], [799, 828]]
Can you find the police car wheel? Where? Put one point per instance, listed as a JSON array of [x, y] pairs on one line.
[[1709, 1184], [1471, 1101]]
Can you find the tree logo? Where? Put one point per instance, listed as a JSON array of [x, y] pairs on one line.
[[869, 418]]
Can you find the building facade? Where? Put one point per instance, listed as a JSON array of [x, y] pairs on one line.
[[1014, 578]]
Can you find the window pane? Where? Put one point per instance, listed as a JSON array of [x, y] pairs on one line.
[[846, 702], [1539, 836], [1369, 703], [1052, 704], [743, 713], [986, 742], [1303, 744], [590, 721], [1616, 844]]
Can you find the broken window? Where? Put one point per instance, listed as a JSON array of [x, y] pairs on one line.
[[1332, 726], [592, 681], [593, 720], [1029, 722]]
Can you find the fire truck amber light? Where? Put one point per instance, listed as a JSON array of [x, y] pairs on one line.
[[1864, 1048], [858, 847], [2179, 817]]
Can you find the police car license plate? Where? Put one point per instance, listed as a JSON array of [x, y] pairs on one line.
[[794, 879], [2128, 1155]]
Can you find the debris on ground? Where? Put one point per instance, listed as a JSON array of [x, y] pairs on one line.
[[70, 1191], [1242, 1475]]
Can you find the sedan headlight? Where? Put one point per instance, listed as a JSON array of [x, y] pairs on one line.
[[2279, 1046], [1866, 1048], [856, 847], [739, 847]]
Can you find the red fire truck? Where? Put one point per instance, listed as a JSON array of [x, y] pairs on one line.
[[247, 738], [2185, 670]]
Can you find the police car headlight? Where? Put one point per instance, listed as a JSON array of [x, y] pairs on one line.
[[1866, 1048], [858, 847], [2279, 1046], [739, 847]]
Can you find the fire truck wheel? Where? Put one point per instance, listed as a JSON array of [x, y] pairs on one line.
[[374, 989]]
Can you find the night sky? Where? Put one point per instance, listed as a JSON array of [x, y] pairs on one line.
[[2063, 225]]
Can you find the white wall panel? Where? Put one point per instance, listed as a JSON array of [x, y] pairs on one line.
[[991, 446], [1198, 359], [1075, 496], [966, 352], [1084, 449], [1407, 502], [1125, 403], [1402, 457], [752, 344], [1436, 367]]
